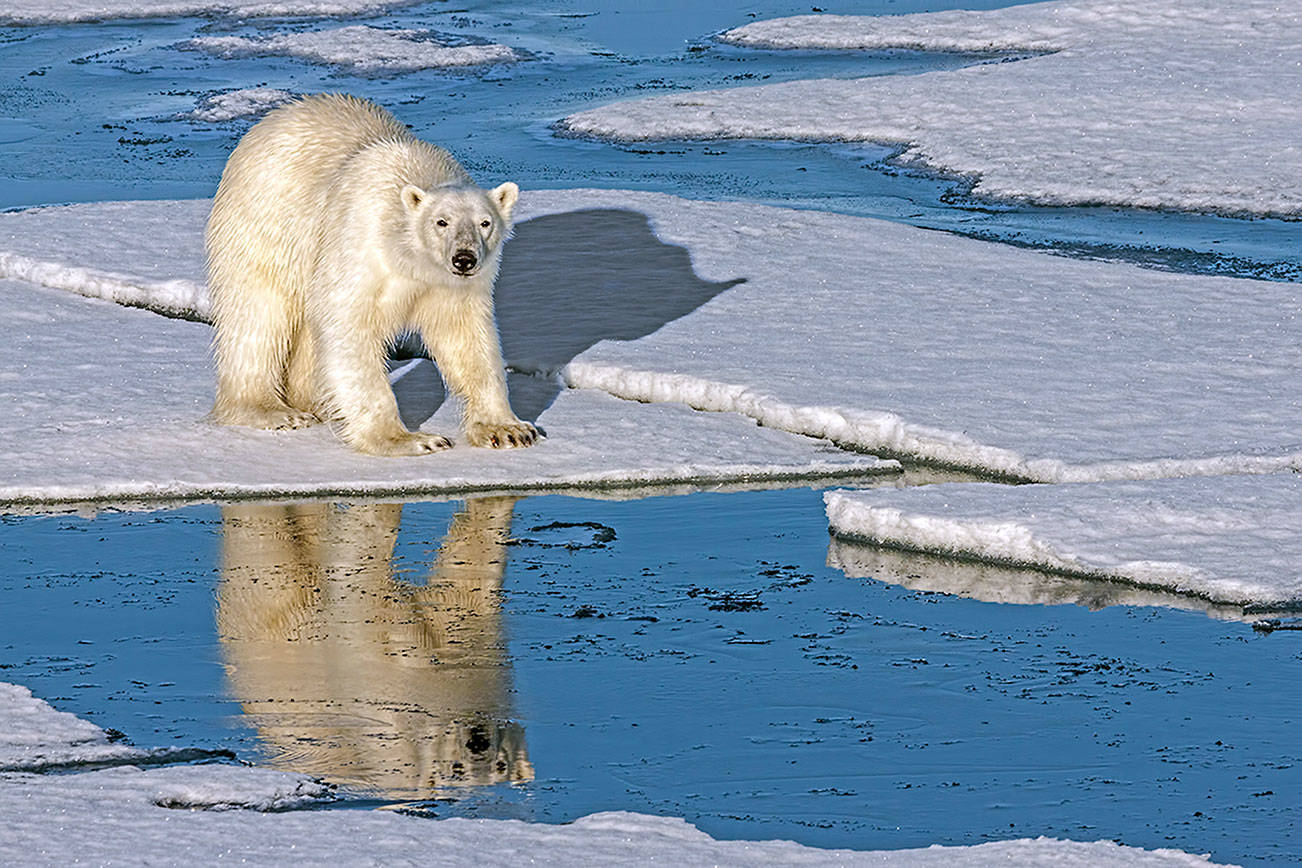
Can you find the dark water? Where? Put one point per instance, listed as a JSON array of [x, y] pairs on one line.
[[693, 656]]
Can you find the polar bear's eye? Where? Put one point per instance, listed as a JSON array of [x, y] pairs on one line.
[[442, 222], [485, 224]]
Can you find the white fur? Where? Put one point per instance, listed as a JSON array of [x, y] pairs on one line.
[[324, 243]]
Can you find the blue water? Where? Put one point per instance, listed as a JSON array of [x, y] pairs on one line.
[[690, 656]]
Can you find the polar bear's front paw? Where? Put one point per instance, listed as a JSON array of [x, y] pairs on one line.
[[501, 435], [407, 444], [280, 418]]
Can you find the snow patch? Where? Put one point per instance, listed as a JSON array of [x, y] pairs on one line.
[[1164, 104], [1228, 539], [34, 736], [360, 47], [239, 104]]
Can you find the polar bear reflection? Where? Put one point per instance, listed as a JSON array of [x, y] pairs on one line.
[[396, 689]]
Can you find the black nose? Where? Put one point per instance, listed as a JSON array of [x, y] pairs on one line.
[[463, 260]]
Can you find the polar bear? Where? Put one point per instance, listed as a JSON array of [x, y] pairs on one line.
[[333, 230]]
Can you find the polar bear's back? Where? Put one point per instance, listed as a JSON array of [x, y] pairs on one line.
[[264, 231]]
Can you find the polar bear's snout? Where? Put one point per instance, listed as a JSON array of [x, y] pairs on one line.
[[464, 261]]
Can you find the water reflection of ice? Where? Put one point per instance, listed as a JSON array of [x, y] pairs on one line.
[[992, 583], [349, 673]]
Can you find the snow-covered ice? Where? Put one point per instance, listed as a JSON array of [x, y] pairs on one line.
[[1230, 539], [361, 48], [239, 104], [68, 11], [1187, 104], [881, 337], [128, 815], [34, 736], [108, 402]]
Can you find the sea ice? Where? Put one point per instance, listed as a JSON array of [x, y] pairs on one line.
[[881, 337], [234, 813], [1229, 539], [241, 103], [109, 403], [362, 48], [1163, 104], [68, 11]]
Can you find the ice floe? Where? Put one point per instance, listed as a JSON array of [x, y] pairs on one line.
[[241, 103], [120, 815], [881, 337], [1186, 104], [1227, 539], [109, 403], [68, 11], [361, 48]]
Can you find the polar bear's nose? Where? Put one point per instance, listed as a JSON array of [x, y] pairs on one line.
[[463, 260]]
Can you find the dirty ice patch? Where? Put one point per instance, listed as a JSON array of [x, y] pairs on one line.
[[360, 48], [242, 103], [1163, 104], [880, 337], [237, 813], [105, 402], [69, 11], [1230, 539]]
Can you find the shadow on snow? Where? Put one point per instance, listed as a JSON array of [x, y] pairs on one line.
[[567, 282]]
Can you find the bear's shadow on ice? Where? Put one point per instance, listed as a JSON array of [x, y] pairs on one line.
[[568, 281]]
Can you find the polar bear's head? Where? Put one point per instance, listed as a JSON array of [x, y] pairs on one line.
[[459, 229]]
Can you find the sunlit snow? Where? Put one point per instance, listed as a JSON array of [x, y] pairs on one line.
[[881, 337]]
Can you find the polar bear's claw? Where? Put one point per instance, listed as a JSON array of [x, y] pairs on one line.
[[270, 418], [501, 435], [408, 444]]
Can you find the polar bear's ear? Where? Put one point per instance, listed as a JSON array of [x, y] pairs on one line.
[[504, 197], [412, 196]]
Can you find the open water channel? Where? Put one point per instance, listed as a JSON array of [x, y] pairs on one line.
[[707, 655]]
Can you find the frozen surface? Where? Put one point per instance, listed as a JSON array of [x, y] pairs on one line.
[[34, 736], [109, 402], [361, 48], [1230, 538], [1188, 104], [66, 11], [239, 103], [945, 349], [121, 814]]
